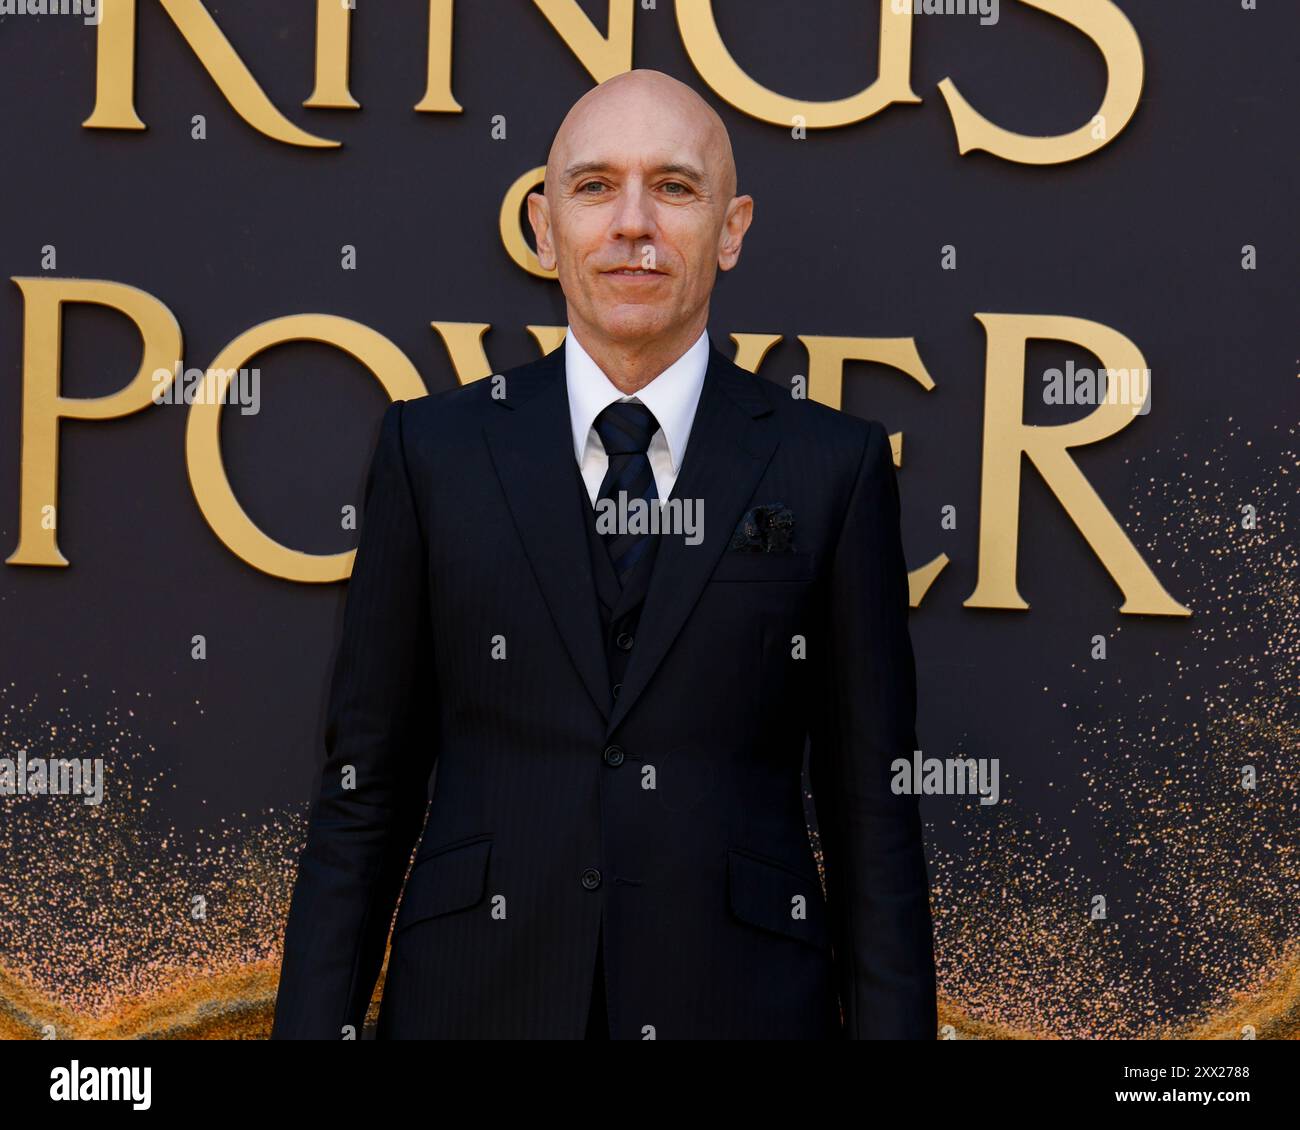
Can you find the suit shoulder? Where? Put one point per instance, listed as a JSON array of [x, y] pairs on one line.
[[453, 410], [820, 424]]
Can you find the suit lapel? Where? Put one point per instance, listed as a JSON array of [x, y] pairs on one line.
[[531, 445], [730, 445]]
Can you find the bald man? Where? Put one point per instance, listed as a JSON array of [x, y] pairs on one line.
[[608, 603]]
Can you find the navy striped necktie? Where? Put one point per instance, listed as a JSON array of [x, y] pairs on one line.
[[625, 428]]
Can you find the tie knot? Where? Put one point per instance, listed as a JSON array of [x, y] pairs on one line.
[[625, 428]]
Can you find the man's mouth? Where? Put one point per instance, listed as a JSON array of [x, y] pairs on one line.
[[632, 272]]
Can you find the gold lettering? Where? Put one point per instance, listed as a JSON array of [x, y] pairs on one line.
[[1006, 436], [826, 357], [548, 337], [115, 72], [751, 348], [437, 95], [510, 224], [1108, 27], [464, 342], [333, 25], [604, 56], [44, 405], [207, 471], [710, 57]]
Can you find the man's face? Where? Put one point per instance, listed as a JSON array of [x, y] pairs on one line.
[[636, 221]]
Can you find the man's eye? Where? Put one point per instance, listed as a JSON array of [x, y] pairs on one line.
[[676, 184], [591, 184]]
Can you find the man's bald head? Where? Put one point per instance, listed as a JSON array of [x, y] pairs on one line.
[[639, 213], [647, 95]]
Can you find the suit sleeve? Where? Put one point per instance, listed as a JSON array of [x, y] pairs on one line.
[[873, 853], [379, 753]]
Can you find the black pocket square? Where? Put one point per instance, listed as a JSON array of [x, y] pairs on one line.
[[765, 529]]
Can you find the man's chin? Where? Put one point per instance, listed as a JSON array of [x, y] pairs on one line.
[[634, 322]]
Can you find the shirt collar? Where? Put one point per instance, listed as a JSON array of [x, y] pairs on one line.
[[672, 396]]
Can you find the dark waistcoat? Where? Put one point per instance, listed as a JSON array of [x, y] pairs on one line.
[[620, 608]]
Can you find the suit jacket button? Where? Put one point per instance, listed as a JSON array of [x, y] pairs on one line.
[[614, 756], [615, 689], [624, 641], [591, 878]]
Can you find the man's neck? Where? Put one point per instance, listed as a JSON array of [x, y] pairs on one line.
[[632, 366]]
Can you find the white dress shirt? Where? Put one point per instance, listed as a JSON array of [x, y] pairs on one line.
[[672, 396]]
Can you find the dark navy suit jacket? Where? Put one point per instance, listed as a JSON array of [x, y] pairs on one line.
[[472, 652]]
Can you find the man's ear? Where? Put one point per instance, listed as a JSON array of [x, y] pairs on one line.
[[740, 214], [539, 215]]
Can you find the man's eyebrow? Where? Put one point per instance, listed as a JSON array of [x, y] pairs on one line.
[[583, 168], [688, 171]]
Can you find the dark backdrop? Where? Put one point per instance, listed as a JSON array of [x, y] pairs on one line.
[[1119, 777]]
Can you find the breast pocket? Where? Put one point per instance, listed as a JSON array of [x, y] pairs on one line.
[[737, 565], [448, 879], [768, 894]]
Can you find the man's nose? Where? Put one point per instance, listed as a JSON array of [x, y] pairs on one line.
[[634, 214]]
